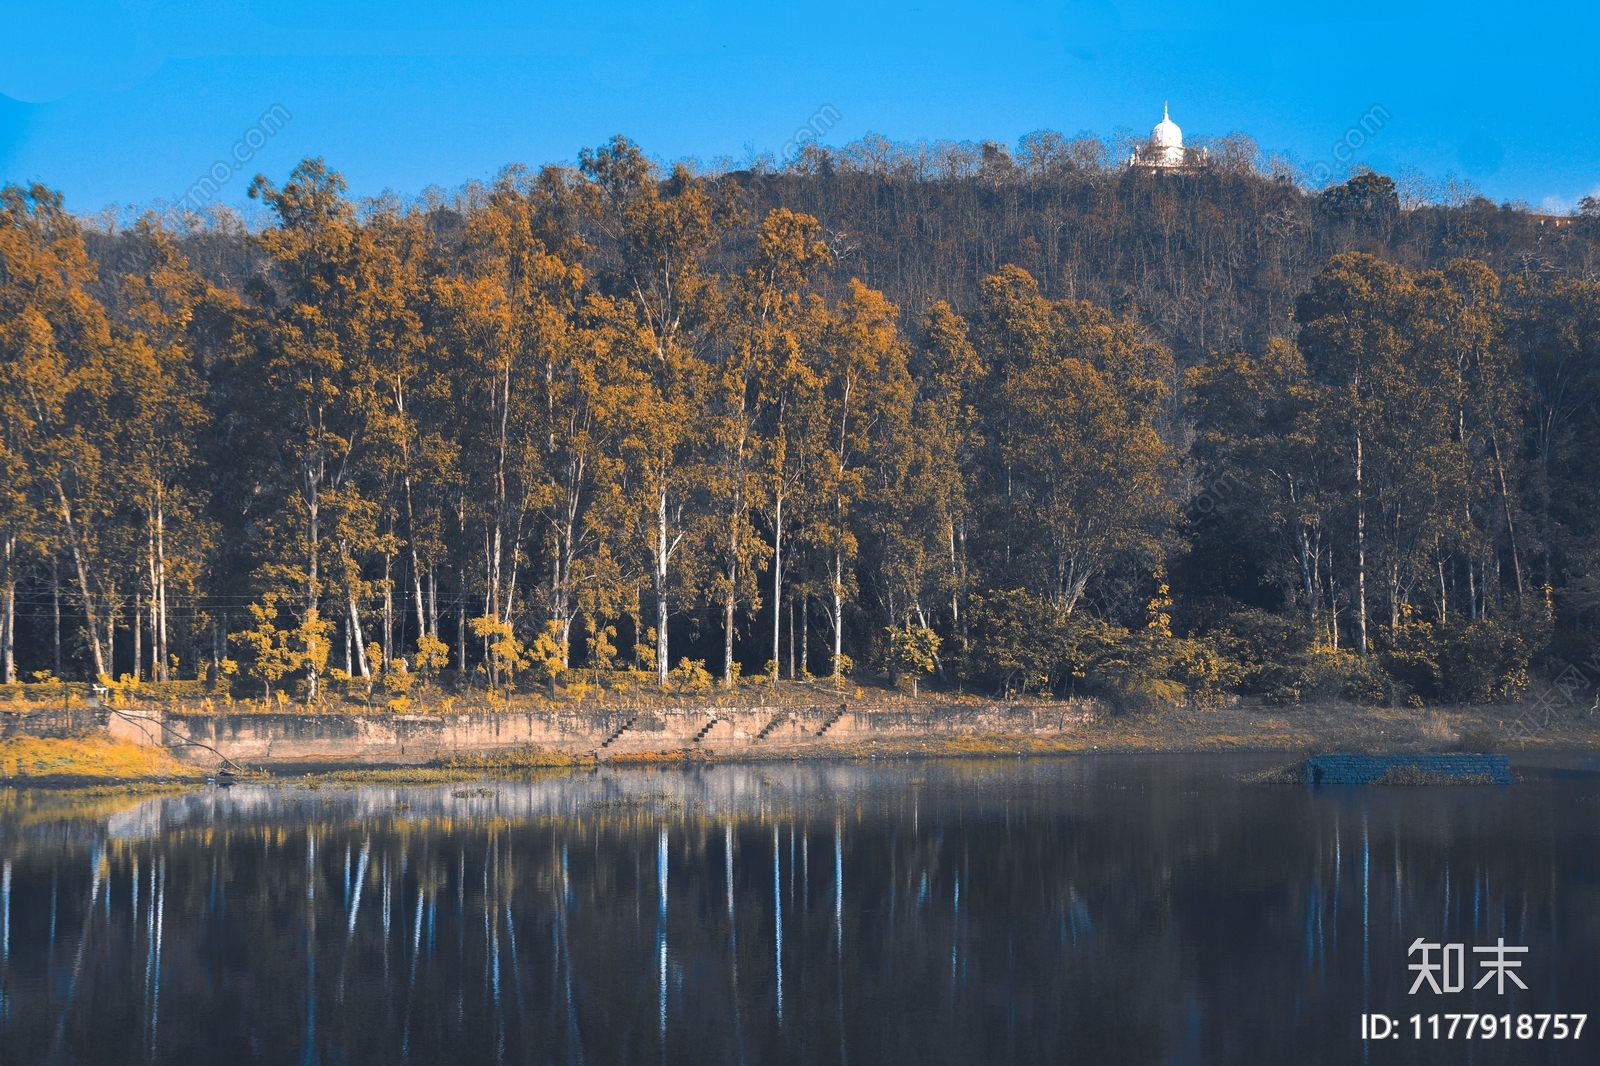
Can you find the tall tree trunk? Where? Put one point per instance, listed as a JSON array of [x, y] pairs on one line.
[[1394, 594], [8, 616], [1361, 554], [1444, 591], [509, 607], [838, 611], [91, 616], [139, 619], [313, 573], [461, 621], [727, 617], [661, 589], [313, 536], [1316, 585], [416, 568], [388, 612], [491, 573], [961, 543], [956, 584], [159, 592], [433, 603], [138, 631], [55, 596], [1309, 590], [1333, 606], [416, 590], [777, 589], [361, 647], [1511, 528]]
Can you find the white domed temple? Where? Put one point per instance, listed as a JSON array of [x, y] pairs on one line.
[[1165, 148]]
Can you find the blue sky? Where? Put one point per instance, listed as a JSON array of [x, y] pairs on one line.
[[132, 102]]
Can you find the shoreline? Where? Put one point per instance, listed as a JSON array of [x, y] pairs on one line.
[[471, 746]]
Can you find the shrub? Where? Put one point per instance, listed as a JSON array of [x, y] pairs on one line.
[[397, 681], [1205, 669], [504, 650], [1325, 674], [1410, 653], [1016, 640], [433, 655], [1362, 677], [548, 655], [1148, 669], [690, 675], [1484, 662], [1266, 649], [913, 651]]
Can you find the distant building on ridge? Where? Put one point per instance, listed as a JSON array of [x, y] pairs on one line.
[[1164, 150]]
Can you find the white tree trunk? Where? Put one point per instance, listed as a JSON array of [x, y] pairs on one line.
[[661, 591], [138, 632], [8, 628], [96, 638], [8, 617], [388, 612], [361, 646], [777, 589], [159, 589], [727, 622], [1361, 555], [838, 610]]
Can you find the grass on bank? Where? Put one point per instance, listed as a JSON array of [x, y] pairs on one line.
[[454, 769], [94, 755]]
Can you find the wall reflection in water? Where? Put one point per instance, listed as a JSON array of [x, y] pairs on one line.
[[1119, 909]]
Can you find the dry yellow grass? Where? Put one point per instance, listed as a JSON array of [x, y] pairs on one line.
[[95, 756], [656, 758], [1008, 744]]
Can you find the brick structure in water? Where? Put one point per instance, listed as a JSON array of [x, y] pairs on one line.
[[1367, 769]]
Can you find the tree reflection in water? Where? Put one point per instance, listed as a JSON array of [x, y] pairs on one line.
[[1104, 910]]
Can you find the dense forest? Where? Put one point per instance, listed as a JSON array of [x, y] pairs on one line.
[[1007, 421]]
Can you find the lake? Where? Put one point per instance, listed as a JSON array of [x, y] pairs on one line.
[[1110, 909]]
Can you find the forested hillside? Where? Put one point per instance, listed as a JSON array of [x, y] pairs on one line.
[[1022, 421]]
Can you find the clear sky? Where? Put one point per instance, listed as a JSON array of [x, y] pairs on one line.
[[131, 102]]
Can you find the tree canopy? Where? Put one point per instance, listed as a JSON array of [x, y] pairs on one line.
[[622, 417]]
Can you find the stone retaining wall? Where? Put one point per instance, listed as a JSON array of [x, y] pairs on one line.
[[400, 738], [53, 722]]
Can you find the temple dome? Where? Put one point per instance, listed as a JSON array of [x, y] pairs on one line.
[[1165, 147], [1166, 134]]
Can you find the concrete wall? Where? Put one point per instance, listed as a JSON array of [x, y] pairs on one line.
[[52, 722], [260, 738]]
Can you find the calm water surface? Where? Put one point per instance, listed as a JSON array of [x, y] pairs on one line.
[[1096, 910]]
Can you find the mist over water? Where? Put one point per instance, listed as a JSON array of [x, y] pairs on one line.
[[1111, 909]]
